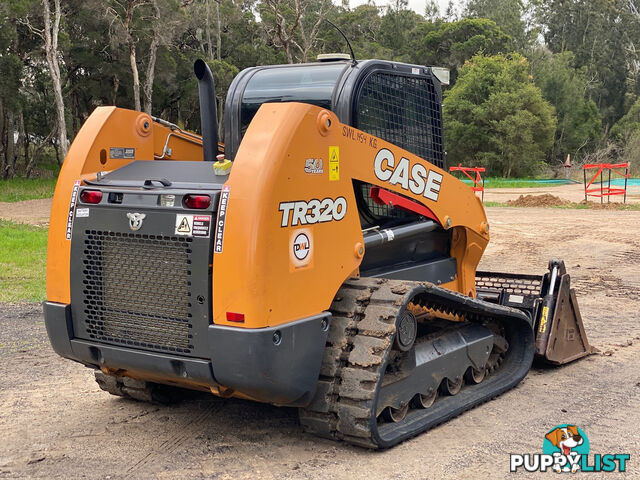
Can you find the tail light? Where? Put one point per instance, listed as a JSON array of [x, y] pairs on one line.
[[91, 196], [197, 202], [235, 317]]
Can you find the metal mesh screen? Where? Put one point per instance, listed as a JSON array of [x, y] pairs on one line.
[[405, 111], [382, 211], [518, 285], [137, 290]]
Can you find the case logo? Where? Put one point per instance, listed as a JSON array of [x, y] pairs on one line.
[[135, 220], [416, 178]]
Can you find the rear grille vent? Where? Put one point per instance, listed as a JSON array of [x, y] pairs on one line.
[[137, 290]]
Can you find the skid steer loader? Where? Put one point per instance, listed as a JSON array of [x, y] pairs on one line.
[[321, 258]]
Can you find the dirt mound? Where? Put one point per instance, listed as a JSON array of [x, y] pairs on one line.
[[545, 200], [615, 205]]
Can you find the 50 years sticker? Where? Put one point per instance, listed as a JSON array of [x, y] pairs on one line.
[[313, 211]]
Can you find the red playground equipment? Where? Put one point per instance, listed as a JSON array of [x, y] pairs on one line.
[[605, 191], [478, 181]]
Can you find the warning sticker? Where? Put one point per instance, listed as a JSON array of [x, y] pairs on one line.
[[72, 207], [201, 225], [193, 225], [82, 212], [222, 218], [334, 163], [120, 152]]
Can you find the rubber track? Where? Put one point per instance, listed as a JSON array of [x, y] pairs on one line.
[[360, 337], [136, 389]]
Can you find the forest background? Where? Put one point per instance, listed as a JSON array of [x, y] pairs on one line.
[[531, 81]]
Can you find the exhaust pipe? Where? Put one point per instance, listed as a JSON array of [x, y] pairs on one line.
[[208, 110]]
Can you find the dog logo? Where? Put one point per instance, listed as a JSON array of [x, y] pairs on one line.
[[566, 439], [565, 449], [135, 220]]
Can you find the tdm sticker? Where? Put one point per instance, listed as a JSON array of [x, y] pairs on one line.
[[193, 225], [301, 248], [72, 207], [222, 218]]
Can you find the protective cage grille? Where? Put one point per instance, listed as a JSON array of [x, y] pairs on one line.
[[405, 111], [137, 290], [530, 285], [382, 212]]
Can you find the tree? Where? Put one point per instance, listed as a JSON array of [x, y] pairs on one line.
[[49, 33], [396, 29], [150, 22], [628, 125], [567, 89], [496, 117], [452, 44], [507, 14], [602, 36]]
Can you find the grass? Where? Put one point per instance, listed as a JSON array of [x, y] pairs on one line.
[[23, 254], [18, 189], [499, 182], [613, 206], [574, 206]]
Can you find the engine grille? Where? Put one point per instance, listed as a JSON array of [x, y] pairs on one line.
[[137, 290]]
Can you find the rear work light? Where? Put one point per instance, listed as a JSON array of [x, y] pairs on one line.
[[235, 317], [91, 196], [197, 202]]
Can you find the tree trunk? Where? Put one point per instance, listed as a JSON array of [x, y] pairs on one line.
[[20, 143], [132, 55], [25, 139], [134, 73], [57, 150], [51, 31], [153, 53], [8, 170], [36, 155], [116, 85], [220, 110], [3, 135], [208, 30], [219, 32]]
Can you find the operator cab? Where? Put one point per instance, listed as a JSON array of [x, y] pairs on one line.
[[397, 102]]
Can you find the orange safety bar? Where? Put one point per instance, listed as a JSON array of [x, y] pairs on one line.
[[478, 181], [602, 191]]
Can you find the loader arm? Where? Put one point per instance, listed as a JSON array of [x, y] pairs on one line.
[[272, 201]]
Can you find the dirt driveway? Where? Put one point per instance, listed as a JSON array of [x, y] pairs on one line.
[[56, 423]]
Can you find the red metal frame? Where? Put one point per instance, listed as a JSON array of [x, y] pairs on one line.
[[385, 197], [602, 191], [478, 181]]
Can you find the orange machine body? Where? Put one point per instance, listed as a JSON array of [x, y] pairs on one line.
[[90, 153], [257, 273]]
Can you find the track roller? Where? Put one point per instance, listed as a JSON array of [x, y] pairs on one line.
[[474, 375], [383, 369], [452, 386]]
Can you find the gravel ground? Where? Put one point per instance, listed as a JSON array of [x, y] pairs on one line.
[[56, 423]]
